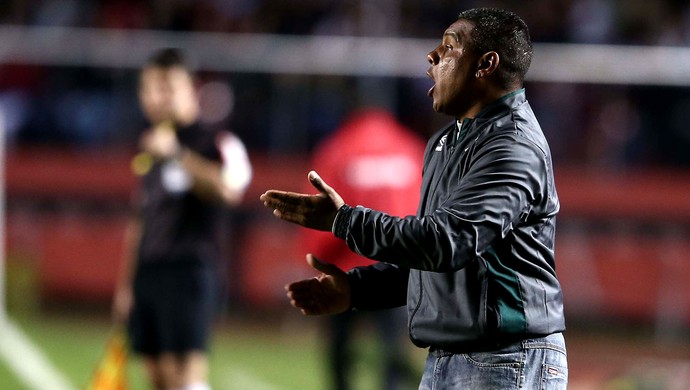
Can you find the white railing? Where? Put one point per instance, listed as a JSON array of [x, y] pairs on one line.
[[330, 55]]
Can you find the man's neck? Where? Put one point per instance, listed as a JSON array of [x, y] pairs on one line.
[[481, 103]]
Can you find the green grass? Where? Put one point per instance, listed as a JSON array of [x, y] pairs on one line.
[[284, 354], [285, 351], [7, 379], [282, 350]]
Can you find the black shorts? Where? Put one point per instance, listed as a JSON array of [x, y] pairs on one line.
[[174, 305]]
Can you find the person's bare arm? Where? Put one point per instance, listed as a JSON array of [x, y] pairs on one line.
[[207, 178], [123, 298], [223, 182]]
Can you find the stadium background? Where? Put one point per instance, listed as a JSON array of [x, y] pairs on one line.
[[620, 138]]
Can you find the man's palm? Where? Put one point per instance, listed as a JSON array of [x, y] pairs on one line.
[[328, 293]]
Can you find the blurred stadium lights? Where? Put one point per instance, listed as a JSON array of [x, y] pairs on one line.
[[329, 55]]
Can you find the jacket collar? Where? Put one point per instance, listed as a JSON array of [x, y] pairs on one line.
[[506, 102], [498, 107]]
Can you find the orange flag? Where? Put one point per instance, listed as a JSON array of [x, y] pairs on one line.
[[111, 372]]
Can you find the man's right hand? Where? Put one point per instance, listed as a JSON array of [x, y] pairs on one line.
[[161, 141], [317, 211], [328, 293]]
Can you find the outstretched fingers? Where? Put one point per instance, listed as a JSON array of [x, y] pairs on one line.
[[273, 198], [288, 206], [289, 216], [302, 296]]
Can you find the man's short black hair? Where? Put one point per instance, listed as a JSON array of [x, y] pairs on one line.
[[505, 33], [168, 58]]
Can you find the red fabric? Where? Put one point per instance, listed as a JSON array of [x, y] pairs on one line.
[[373, 161]]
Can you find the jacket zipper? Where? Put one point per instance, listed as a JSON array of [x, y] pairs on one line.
[[456, 136]]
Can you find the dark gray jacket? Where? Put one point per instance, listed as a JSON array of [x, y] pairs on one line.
[[477, 262]]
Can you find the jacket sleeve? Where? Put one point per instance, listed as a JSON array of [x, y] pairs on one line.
[[378, 286], [507, 176]]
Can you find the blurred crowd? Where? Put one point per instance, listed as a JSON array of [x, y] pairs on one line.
[[598, 125], [665, 22]]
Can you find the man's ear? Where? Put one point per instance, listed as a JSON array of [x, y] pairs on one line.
[[487, 64]]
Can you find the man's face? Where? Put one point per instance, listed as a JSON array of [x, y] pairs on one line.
[[453, 66], [166, 93]]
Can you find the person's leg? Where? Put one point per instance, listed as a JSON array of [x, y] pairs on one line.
[[429, 374], [192, 326], [153, 373], [483, 370], [546, 363], [339, 327], [193, 369], [162, 371], [392, 329], [144, 325], [171, 371]]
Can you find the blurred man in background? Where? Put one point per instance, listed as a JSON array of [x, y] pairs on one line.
[[168, 282], [372, 159]]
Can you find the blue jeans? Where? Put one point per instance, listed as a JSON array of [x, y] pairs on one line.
[[534, 364]]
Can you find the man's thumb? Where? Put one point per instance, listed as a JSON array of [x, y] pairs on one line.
[[326, 268]]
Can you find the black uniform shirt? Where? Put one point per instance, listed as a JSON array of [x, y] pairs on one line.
[[177, 224]]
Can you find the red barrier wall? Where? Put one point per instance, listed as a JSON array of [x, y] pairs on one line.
[[67, 211]]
